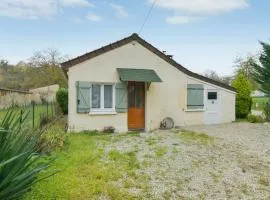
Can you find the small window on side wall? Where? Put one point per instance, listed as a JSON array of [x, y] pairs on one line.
[[195, 97], [212, 95]]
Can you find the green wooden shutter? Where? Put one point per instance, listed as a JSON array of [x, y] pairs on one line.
[[121, 97], [195, 96], [83, 97]]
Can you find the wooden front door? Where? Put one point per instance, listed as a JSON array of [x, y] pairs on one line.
[[136, 105]]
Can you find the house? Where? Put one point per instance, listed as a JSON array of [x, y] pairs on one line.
[[258, 93], [130, 85]]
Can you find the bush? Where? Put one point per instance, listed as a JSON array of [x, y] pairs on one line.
[[62, 99], [243, 99], [243, 107], [52, 138], [255, 119], [267, 111]]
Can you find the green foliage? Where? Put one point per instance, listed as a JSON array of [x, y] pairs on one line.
[[261, 72], [267, 111], [62, 99], [242, 107], [25, 77], [53, 137], [19, 163], [243, 99], [258, 103], [255, 119]]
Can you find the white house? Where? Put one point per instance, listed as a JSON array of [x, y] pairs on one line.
[[130, 85]]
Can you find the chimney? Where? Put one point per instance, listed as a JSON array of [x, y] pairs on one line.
[[170, 56]]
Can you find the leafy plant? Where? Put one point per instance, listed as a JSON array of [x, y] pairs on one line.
[[243, 99], [62, 99], [19, 163], [267, 111], [53, 137], [255, 119]]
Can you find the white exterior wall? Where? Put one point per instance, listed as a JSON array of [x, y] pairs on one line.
[[166, 99]]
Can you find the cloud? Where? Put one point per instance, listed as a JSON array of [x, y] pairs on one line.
[[119, 10], [182, 19], [202, 6], [72, 3], [93, 17], [36, 9], [198, 9]]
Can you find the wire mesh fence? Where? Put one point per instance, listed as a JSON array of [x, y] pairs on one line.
[[36, 115]]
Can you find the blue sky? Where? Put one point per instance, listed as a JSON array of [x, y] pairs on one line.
[[201, 34]]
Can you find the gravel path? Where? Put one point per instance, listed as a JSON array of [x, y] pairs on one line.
[[252, 138], [231, 162]]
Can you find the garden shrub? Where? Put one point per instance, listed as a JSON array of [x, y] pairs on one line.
[[243, 107], [267, 111], [243, 99], [52, 138], [255, 119], [62, 99]]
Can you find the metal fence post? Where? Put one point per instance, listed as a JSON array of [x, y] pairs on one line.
[[33, 107], [47, 109], [21, 115]]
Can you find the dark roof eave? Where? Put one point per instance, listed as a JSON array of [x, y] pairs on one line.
[[136, 37]]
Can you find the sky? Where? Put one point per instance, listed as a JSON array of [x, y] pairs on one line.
[[201, 34]]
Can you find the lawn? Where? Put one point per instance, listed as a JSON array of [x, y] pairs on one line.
[[259, 102], [88, 171], [39, 109], [176, 164]]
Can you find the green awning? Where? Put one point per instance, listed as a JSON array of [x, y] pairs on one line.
[[139, 75]]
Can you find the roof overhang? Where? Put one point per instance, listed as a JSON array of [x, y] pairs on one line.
[[136, 37], [138, 75]]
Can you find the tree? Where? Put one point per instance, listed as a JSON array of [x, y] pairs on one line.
[[261, 69], [214, 75], [4, 65], [245, 66], [243, 98], [47, 57]]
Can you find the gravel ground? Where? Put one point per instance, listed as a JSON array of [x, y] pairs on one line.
[[232, 162]]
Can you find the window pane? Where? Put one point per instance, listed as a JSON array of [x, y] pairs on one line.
[[212, 95], [195, 98], [108, 97], [96, 96], [131, 96], [138, 96]]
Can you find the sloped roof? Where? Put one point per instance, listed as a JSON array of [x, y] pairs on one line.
[[137, 38]]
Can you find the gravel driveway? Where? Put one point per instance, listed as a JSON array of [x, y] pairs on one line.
[[248, 137], [230, 161]]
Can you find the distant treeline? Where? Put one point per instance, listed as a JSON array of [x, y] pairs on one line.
[[42, 69]]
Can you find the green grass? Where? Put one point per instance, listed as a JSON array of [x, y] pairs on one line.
[[39, 110], [87, 171], [201, 138], [161, 151], [260, 101]]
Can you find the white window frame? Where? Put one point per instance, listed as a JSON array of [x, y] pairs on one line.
[[102, 110]]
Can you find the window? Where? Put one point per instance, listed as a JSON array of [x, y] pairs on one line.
[[102, 98], [195, 97], [212, 95]]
